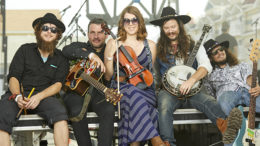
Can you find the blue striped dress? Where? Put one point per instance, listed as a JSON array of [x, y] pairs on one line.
[[138, 109]]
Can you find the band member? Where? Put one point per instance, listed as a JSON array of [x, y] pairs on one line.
[[43, 67], [138, 112], [173, 47], [93, 50], [230, 80]]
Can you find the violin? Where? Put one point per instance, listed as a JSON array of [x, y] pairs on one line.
[[136, 73]]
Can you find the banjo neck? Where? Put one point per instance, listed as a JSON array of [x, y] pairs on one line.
[[193, 54]]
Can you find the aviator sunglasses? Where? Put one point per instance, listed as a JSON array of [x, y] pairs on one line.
[[127, 21], [214, 53], [46, 28]]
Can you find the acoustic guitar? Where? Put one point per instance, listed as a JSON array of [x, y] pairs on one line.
[[81, 76], [248, 135]]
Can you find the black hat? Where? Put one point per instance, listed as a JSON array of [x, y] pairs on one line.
[[49, 18], [211, 44], [169, 13]]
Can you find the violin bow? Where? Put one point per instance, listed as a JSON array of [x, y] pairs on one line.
[[108, 31]]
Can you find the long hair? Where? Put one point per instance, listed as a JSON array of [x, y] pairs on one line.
[[184, 43], [231, 59], [141, 33]]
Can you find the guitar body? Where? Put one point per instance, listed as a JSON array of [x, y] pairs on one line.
[[244, 133], [82, 76], [73, 80]]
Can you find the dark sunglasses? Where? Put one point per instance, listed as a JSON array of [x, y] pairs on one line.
[[216, 51], [127, 21], [46, 28]]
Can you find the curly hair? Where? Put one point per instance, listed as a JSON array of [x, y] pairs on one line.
[[141, 33], [185, 42]]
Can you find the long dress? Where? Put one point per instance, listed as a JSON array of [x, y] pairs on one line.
[[138, 109]]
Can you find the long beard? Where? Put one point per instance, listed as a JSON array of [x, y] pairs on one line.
[[46, 46]]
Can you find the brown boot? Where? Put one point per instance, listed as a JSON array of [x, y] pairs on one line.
[[157, 141], [229, 127]]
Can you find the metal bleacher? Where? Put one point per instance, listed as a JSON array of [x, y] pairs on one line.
[[33, 127]]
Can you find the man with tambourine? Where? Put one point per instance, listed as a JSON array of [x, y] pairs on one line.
[[174, 47]]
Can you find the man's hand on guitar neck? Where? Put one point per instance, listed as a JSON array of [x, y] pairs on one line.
[[255, 91], [95, 59]]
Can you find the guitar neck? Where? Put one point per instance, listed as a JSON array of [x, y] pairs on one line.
[[195, 50], [251, 114], [93, 82]]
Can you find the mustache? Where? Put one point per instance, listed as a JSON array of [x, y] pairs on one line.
[[171, 33]]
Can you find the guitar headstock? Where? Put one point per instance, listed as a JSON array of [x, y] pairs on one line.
[[255, 54], [113, 96], [206, 28]]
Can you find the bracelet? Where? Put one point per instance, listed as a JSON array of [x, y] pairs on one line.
[[16, 98], [13, 96], [109, 58]]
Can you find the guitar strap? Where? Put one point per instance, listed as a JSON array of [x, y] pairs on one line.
[[83, 109]]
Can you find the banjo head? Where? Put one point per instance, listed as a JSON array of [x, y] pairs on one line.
[[175, 76]]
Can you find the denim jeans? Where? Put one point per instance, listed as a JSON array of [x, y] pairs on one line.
[[229, 99], [167, 104]]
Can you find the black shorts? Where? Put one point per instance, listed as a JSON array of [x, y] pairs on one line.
[[49, 109]]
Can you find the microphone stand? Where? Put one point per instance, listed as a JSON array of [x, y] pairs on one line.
[[66, 36], [76, 14], [256, 22], [64, 11], [77, 26]]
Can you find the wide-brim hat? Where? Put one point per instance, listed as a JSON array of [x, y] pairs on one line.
[[49, 18], [169, 13], [211, 44]]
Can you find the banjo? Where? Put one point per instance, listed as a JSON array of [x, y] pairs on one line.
[[176, 75]]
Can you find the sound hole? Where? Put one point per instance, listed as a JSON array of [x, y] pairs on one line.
[[79, 73]]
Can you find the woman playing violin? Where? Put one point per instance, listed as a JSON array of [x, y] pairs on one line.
[[138, 121]]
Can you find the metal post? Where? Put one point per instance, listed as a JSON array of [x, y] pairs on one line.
[[4, 43]]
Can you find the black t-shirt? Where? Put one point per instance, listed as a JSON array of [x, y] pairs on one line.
[[29, 69]]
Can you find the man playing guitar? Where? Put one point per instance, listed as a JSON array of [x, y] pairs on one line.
[[93, 50]]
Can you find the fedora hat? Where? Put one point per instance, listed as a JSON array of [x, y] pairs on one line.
[[211, 44], [169, 13], [49, 18]]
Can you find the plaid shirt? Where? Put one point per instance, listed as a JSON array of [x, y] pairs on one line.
[[227, 79]]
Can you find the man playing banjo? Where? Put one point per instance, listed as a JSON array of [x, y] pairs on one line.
[[174, 47]]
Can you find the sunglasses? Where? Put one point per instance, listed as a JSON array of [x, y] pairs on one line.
[[46, 28], [214, 53], [133, 21]]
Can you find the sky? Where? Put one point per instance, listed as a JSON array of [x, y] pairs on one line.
[[190, 7]]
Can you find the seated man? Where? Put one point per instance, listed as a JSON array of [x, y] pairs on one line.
[[173, 49], [43, 67], [75, 103], [230, 80]]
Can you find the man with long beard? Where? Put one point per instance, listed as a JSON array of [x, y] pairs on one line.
[[43, 67], [230, 80], [174, 47], [75, 103]]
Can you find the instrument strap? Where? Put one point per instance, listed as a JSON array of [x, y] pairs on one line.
[[83, 109]]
